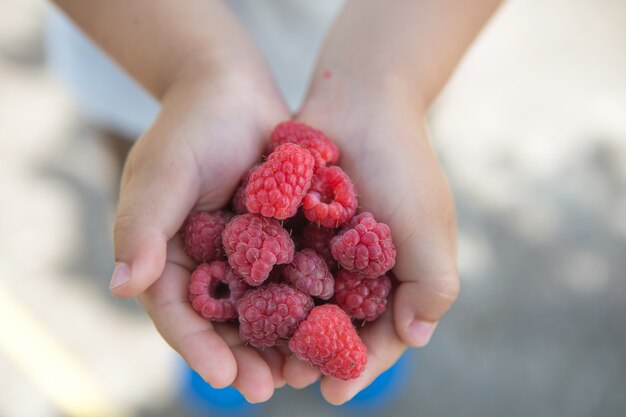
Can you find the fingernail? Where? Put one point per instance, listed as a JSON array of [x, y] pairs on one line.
[[121, 275], [420, 332]]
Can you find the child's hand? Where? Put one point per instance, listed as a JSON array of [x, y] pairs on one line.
[[210, 131], [386, 152]]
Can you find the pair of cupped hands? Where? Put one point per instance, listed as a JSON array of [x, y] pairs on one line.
[[212, 127]]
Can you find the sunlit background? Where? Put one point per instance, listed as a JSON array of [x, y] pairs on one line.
[[532, 133]]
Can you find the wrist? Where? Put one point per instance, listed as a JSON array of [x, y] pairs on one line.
[[338, 100], [234, 78], [246, 94], [361, 76], [216, 63]]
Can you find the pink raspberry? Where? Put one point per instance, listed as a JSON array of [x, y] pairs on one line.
[[202, 235], [331, 200], [318, 238], [328, 340], [364, 246], [270, 314], [361, 297], [254, 244], [309, 273], [239, 199], [321, 147], [276, 188], [214, 290]]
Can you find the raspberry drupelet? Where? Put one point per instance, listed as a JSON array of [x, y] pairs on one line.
[[331, 201], [318, 238], [239, 199], [364, 246], [328, 340], [202, 235], [309, 273], [321, 147], [214, 290], [363, 298], [276, 188], [254, 244], [269, 315]]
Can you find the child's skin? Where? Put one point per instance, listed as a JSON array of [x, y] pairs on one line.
[[380, 68]]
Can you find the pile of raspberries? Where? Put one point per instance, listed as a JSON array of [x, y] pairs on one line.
[[293, 262]]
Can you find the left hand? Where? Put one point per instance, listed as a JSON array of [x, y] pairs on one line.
[[386, 152]]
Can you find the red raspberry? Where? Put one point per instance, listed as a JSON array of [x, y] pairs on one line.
[[361, 297], [331, 200], [270, 314], [321, 147], [318, 238], [364, 246], [276, 188], [202, 235], [214, 290], [254, 244], [327, 339], [309, 273], [239, 199]]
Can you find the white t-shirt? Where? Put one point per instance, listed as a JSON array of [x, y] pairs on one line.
[[288, 32]]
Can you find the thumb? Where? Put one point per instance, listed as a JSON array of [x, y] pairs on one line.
[[426, 269], [155, 198]]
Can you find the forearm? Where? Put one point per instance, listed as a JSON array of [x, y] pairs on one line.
[[159, 41], [410, 46]]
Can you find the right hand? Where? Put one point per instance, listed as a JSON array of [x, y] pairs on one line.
[[209, 132]]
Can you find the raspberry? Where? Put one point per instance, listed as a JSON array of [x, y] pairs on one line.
[[331, 200], [327, 339], [276, 188], [270, 314], [364, 246], [214, 290], [318, 238], [254, 244], [202, 235], [321, 147], [239, 199], [309, 273], [361, 297]]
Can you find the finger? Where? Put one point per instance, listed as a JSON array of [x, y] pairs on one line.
[[428, 286], [383, 350], [299, 374], [254, 378], [425, 235], [408, 191], [156, 195], [275, 360], [193, 337]]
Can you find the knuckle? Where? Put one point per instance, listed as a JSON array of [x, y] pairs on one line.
[[130, 165], [125, 232], [124, 226], [448, 288]]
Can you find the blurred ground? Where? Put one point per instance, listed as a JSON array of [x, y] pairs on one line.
[[532, 132]]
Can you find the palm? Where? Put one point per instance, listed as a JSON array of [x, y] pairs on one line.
[[205, 152], [398, 179], [209, 348]]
